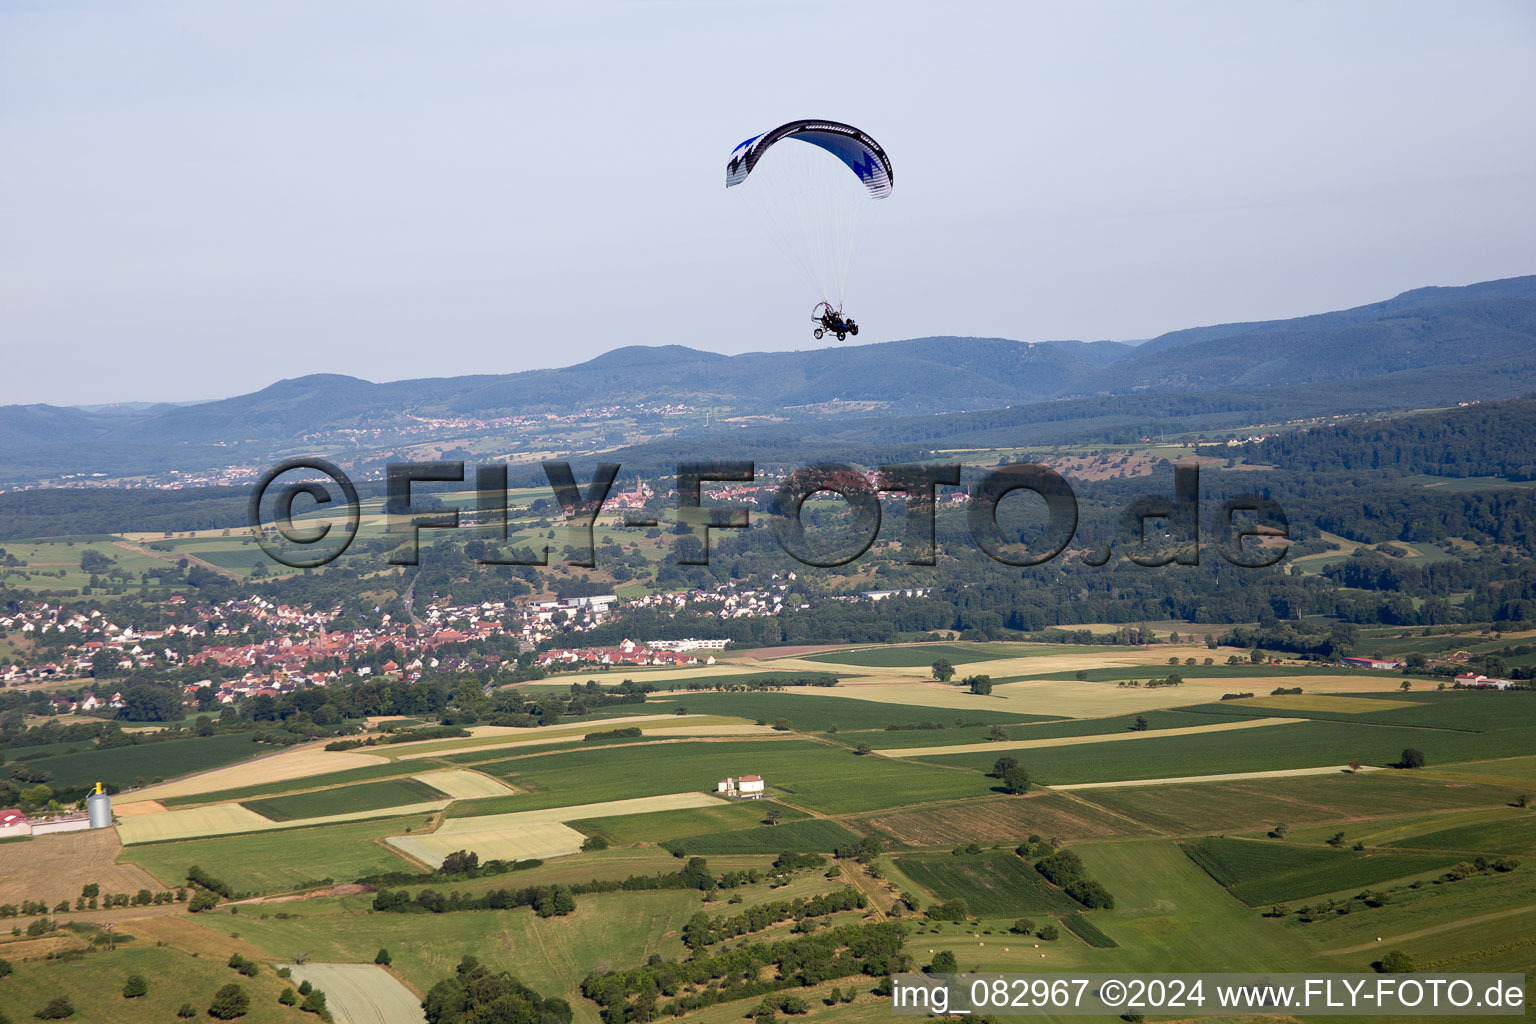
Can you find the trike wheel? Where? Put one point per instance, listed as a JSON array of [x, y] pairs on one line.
[[818, 332], [842, 335]]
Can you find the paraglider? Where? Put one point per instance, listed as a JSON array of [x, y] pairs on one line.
[[810, 203], [828, 319]]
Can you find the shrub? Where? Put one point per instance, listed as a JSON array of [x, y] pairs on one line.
[[594, 843], [289, 997], [944, 962], [135, 986], [186, 1011], [382, 958], [229, 1002], [1023, 926], [1395, 962], [1049, 933], [58, 1008]]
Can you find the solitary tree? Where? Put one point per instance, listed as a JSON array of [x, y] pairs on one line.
[[382, 958], [135, 986], [1016, 780], [981, 685], [1141, 724], [862, 749], [773, 815], [997, 734], [1412, 758], [943, 671], [1395, 962]]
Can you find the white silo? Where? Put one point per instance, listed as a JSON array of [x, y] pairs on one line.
[[99, 807]]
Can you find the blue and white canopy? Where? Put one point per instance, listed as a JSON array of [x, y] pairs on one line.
[[862, 154]]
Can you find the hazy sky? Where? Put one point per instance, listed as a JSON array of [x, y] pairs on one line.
[[197, 199]]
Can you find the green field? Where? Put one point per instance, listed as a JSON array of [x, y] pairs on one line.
[[993, 884], [144, 763], [808, 713], [810, 835], [813, 775], [1309, 744], [279, 861], [1239, 805], [1515, 834], [342, 778], [367, 796], [1261, 873], [657, 826], [1169, 911]]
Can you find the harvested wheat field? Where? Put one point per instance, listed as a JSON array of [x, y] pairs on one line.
[[362, 993], [56, 867], [300, 763], [521, 835], [462, 784], [522, 842], [137, 807], [1077, 741]]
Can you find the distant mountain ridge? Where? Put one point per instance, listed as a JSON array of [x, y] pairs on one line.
[[1426, 345]]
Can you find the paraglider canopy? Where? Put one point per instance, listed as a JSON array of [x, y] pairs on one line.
[[858, 151]]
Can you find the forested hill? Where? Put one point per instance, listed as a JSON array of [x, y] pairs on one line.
[[1487, 439], [1424, 348]]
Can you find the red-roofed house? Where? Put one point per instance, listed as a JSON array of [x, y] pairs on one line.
[[14, 823]]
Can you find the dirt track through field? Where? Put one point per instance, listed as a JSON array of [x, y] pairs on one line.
[[1337, 769], [1434, 929]]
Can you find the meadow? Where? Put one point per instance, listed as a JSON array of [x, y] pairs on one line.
[[94, 985]]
